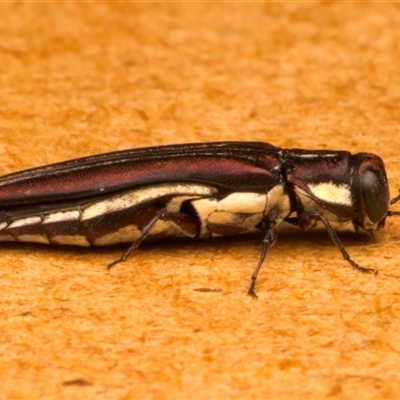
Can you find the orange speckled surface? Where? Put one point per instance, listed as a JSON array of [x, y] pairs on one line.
[[79, 79]]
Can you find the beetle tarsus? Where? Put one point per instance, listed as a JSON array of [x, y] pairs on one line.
[[360, 268], [122, 259], [251, 291]]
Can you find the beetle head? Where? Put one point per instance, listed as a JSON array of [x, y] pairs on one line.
[[370, 191]]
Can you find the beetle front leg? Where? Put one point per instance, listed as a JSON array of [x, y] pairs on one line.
[[339, 244], [268, 242]]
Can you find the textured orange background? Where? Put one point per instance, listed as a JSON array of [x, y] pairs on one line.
[[79, 79]]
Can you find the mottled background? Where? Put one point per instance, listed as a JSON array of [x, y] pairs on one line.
[[78, 79]]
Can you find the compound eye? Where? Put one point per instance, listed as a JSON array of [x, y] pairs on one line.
[[375, 194]]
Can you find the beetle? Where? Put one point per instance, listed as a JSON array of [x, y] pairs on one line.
[[198, 190]]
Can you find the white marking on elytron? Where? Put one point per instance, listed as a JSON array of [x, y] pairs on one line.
[[3, 225], [74, 240], [126, 234], [244, 210], [174, 205], [25, 222], [204, 207], [331, 192], [309, 155], [168, 229], [248, 203], [62, 216], [138, 196], [33, 238], [246, 223], [129, 234]]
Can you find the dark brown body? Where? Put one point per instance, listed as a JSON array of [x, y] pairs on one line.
[[193, 190], [231, 166]]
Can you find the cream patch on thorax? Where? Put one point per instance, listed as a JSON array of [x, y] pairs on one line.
[[333, 193]]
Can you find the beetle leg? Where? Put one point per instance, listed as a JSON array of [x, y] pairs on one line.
[[163, 214], [268, 242], [292, 221], [339, 244]]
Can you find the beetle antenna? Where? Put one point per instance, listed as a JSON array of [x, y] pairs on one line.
[[394, 201]]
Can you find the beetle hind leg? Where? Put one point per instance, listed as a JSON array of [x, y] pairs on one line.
[[185, 221], [269, 240]]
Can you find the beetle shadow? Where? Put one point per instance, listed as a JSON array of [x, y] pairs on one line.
[[288, 238], [321, 237]]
